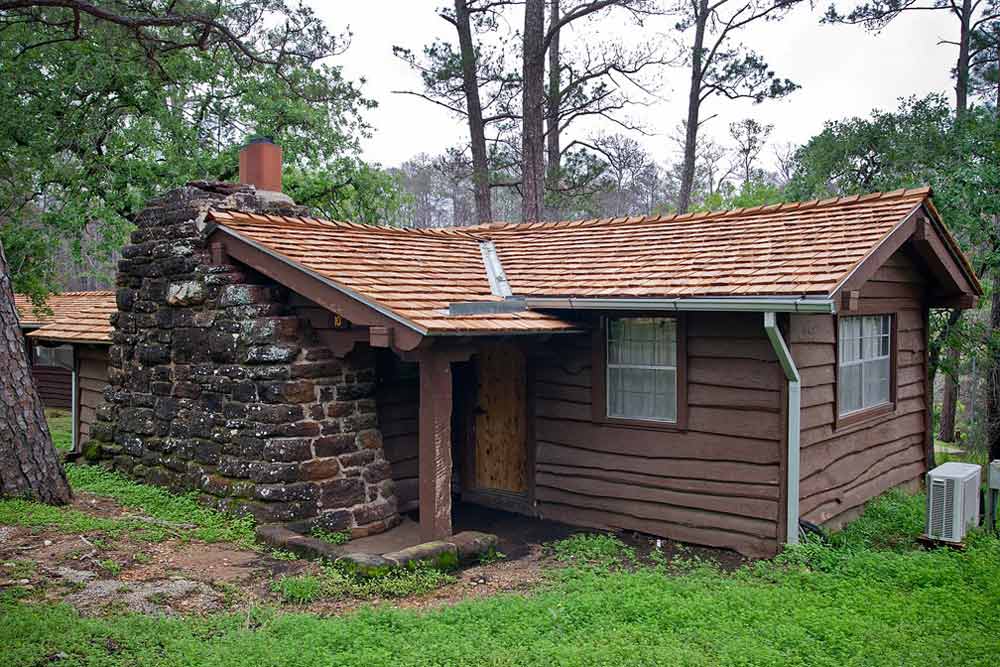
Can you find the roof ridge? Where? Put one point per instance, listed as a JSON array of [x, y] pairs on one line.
[[221, 213], [480, 231], [841, 200]]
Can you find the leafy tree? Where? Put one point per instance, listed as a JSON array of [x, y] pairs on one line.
[[976, 48], [757, 192], [750, 137], [720, 67], [97, 123], [348, 189], [105, 104], [984, 63], [923, 143]]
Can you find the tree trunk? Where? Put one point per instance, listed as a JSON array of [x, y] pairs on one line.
[[533, 100], [477, 131], [29, 464], [694, 109], [962, 68], [993, 374], [949, 399], [554, 100]]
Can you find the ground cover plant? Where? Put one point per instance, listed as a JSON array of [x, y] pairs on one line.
[[869, 597], [338, 582], [61, 427], [155, 513]]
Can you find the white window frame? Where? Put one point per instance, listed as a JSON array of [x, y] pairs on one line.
[[861, 360], [608, 366]]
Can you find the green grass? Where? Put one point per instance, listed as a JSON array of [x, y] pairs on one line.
[[849, 603], [302, 589], [339, 582], [593, 550], [172, 515], [335, 538], [61, 427]]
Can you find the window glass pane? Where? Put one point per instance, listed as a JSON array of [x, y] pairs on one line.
[[61, 356], [850, 339], [865, 362], [876, 380], [641, 373], [639, 393], [850, 388]]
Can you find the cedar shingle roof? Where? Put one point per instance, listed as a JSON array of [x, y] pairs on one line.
[[415, 273], [77, 317], [802, 248], [797, 249]]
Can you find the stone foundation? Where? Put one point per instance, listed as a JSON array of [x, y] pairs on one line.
[[216, 385]]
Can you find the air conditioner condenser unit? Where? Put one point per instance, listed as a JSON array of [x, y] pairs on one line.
[[952, 501]]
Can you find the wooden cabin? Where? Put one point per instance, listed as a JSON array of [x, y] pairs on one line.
[[68, 345], [714, 378]]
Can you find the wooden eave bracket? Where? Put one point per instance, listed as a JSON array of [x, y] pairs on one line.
[[851, 299]]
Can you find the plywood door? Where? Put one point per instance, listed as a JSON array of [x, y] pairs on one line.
[[501, 461]]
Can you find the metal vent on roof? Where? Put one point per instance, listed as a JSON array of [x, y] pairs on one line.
[[494, 270]]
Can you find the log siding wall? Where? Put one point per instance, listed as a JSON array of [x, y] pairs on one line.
[[92, 378], [398, 400], [844, 466], [717, 482]]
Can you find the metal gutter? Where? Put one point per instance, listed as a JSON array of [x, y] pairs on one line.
[[494, 270], [783, 304], [346, 291], [794, 425]]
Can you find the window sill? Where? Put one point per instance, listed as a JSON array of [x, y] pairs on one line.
[[644, 424], [862, 416]]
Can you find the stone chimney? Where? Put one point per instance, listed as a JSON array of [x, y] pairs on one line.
[[219, 384], [260, 166]]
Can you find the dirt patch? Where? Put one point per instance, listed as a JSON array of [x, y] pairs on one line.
[[165, 596], [101, 574]]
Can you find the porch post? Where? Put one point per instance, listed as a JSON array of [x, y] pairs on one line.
[[435, 444]]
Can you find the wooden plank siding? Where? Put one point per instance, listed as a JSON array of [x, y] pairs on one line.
[[717, 482], [398, 404], [843, 467], [92, 378], [54, 385]]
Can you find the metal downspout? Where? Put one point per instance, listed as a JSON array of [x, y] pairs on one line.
[[794, 421], [75, 405]]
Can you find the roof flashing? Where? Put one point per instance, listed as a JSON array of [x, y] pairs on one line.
[[494, 270], [512, 305]]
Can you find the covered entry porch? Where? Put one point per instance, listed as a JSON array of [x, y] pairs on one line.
[[457, 426]]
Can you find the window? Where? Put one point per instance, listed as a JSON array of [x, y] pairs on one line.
[[642, 368], [61, 356], [865, 365]]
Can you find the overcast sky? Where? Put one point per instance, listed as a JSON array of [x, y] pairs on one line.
[[844, 71]]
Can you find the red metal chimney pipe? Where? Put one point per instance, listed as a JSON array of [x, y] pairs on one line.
[[260, 164]]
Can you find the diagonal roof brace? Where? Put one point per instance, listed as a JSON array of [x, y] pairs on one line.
[[494, 270]]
